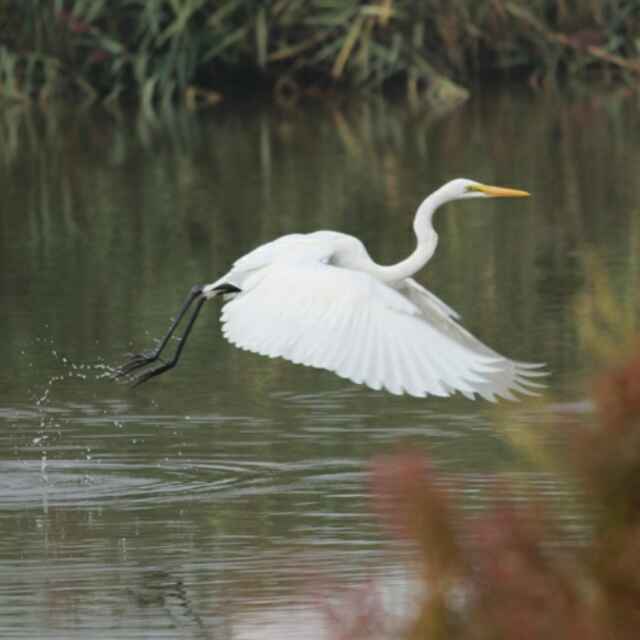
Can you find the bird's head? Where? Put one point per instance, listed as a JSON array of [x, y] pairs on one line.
[[462, 189], [458, 189]]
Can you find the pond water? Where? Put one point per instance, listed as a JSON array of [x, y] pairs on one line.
[[218, 500]]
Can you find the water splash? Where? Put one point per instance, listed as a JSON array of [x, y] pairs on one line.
[[50, 422]]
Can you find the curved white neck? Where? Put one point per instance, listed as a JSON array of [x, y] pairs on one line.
[[427, 242]]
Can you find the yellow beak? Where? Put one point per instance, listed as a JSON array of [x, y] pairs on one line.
[[499, 192]]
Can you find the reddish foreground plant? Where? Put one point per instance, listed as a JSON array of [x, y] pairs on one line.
[[507, 573]]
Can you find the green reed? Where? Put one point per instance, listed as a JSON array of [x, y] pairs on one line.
[[163, 50]]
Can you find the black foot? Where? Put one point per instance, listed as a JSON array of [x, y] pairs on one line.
[[151, 373], [140, 360], [136, 361]]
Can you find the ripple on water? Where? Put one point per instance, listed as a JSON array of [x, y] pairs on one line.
[[129, 485]]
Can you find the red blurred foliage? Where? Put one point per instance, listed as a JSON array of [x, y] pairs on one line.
[[98, 55], [618, 394], [522, 589], [79, 26], [586, 38], [606, 459], [410, 502], [505, 574], [358, 615], [75, 25]]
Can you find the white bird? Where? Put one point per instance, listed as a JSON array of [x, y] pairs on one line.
[[318, 299]]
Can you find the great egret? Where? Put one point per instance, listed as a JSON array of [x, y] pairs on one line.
[[319, 300]]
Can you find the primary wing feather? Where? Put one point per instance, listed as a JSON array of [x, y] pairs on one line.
[[506, 375], [313, 313]]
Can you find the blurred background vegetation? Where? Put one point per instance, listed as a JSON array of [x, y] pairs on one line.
[[198, 50]]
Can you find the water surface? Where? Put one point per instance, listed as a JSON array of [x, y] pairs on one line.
[[219, 499]]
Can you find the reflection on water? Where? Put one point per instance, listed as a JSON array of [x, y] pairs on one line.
[[214, 501]]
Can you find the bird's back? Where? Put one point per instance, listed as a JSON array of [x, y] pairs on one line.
[[319, 246]]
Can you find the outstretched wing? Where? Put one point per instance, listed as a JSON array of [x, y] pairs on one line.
[[507, 375], [345, 321]]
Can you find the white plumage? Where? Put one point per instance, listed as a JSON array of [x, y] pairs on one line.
[[319, 300], [296, 304]]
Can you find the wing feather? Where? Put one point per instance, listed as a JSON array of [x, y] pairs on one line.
[[406, 341]]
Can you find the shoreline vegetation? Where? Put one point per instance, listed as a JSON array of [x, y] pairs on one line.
[[196, 52]]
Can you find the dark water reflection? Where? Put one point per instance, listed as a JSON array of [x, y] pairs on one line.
[[206, 503]]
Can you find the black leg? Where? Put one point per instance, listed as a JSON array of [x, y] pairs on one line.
[[140, 360], [147, 375]]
